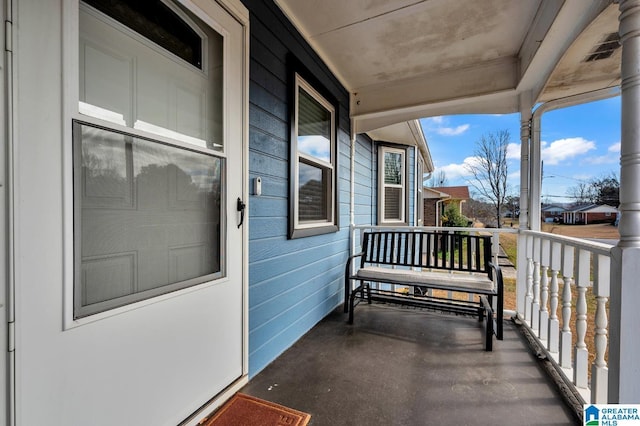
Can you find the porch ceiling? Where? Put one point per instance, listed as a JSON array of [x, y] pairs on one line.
[[408, 59]]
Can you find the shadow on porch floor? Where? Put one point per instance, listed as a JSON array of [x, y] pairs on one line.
[[398, 366]]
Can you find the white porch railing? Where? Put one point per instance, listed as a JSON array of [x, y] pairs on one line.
[[560, 281], [583, 268]]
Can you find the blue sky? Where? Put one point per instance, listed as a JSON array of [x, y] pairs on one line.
[[578, 143]]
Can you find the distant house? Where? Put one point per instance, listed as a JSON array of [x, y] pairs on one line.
[[552, 213], [437, 199], [592, 213]]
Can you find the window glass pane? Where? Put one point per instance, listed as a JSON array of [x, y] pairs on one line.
[[393, 168], [138, 82], [314, 127], [312, 193], [392, 203], [148, 218]]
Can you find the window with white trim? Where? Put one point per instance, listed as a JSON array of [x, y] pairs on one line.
[[148, 155], [313, 167], [392, 170]]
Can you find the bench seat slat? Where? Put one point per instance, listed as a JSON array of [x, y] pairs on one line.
[[449, 281]]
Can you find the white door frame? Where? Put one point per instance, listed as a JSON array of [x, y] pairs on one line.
[[6, 289]]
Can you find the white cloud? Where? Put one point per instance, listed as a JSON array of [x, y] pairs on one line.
[[564, 149], [437, 120], [602, 159], [316, 145], [452, 131], [513, 151], [454, 171], [611, 157], [439, 126], [581, 177]]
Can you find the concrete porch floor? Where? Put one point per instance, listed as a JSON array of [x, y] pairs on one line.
[[399, 366]]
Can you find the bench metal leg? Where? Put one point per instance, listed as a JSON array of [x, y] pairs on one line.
[[352, 299], [488, 312], [347, 293]]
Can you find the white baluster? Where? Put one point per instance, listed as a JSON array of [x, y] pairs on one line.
[[580, 370], [565, 336], [535, 308], [554, 323], [529, 297], [599, 370], [545, 251]]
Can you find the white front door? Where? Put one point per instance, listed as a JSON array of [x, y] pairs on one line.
[[128, 166]]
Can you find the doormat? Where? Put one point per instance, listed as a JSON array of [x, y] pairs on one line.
[[245, 410]]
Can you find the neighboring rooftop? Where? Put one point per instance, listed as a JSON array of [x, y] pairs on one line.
[[455, 192]]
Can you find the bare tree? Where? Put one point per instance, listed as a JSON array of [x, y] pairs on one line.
[[581, 193], [438, 179], [602, 190], [489, 169]]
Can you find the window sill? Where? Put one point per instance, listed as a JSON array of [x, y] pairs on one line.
[[316, 230]]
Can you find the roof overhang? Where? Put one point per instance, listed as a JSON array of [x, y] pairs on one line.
[[432, 193], [406, 133], [406, 59]]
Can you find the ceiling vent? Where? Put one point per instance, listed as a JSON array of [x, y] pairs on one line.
[[604, 48]]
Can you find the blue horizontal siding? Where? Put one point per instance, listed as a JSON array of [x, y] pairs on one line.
[[276, 266], [268, 304], [302, 320], [364, 191], [293, 284], [266, 227], [267, 122], [259, 141]]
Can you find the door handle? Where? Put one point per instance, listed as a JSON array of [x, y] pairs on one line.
[[240, 206]]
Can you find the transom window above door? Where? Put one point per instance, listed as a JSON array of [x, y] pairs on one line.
[[154, 67]]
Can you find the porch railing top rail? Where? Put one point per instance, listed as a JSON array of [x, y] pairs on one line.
[[437, 228], [596, 247]]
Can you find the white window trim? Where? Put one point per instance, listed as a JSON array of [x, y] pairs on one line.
[[382, 185], [329, 224], [419, 221]]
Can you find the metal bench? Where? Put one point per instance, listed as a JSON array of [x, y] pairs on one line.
[[419, 262]]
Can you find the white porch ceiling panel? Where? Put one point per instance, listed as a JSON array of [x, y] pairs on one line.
[[407, 59]]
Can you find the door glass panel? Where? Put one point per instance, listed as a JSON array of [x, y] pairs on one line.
[[152, 67], [148, 218]]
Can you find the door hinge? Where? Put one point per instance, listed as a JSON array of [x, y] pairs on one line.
[[11, 337], [8, 36]]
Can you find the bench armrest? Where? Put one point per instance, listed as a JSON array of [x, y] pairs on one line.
[[347, 282]]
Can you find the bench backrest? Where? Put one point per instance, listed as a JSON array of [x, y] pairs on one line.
[[434, 250]]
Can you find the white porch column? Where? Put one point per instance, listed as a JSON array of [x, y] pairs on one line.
[[624, 377], [535, 167], [525, 125]]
